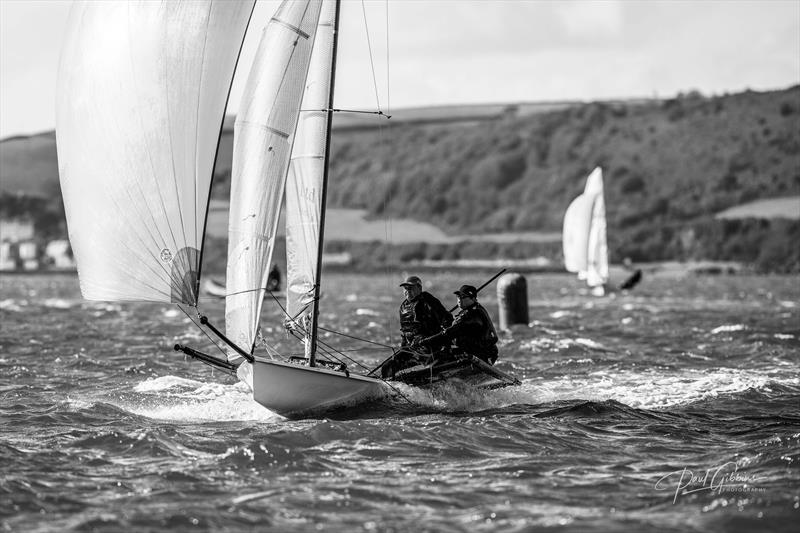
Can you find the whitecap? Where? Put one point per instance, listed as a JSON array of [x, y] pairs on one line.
[[208, 403], [659, 388], [728, 328], [367, 312], [164, 383], [10, 305], [783, 336], [561, 314], [171, 313], [589, 343], [57, 303]]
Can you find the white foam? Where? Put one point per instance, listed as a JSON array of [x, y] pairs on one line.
[[57, 303], [11, 305], [164, 383], [186, 400], [589, 343], [728, 328], [659, 388], [554, 344]]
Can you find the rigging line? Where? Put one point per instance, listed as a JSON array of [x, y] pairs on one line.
[[326, 345], [326, 352], [371, 62], [356, 338], [329, 354], [213, 341], [337, 110], [285, 312], [388, 93], [330, 348]]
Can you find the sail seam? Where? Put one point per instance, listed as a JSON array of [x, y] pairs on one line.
[[294, 29], [264, 127]]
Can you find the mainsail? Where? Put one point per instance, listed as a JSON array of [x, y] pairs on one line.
[[142, 89], [577, 221], [597, 247], [305, 181], [584, 235], [263, 137]]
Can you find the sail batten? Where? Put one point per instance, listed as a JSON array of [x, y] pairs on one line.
[[142, 88]]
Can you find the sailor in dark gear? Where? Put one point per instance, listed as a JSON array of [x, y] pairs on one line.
[[472, 331], [274, 278], [421, 315]]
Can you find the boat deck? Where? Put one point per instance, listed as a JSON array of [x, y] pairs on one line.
[[470, 370]]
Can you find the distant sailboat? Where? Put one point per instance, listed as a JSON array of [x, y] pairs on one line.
[[584, 236]]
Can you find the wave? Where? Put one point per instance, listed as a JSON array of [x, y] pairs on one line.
[[658, 388]]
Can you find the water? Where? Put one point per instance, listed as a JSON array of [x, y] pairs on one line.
[[623, 400]]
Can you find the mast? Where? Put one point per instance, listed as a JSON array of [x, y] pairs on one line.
[[323, 194]]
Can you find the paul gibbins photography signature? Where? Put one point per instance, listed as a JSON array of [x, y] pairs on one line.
[[723, 478]]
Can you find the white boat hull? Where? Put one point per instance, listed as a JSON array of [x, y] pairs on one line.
[[296, 391]]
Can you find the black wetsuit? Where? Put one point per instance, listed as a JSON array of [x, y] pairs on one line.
[[473, 333], [422, 317]]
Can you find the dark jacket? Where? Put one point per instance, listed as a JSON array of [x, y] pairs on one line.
[[472, 332], [422, 317]]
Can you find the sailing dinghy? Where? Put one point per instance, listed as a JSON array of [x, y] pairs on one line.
[[584, 236], [142, 93]]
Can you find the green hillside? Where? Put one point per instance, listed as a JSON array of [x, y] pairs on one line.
[[669, 166]]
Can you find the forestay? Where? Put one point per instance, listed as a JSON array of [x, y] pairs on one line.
[[305, 180], [263, 136], [142, 89]]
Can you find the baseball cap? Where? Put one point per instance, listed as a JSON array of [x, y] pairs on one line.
[[412, 280], [467, 290]]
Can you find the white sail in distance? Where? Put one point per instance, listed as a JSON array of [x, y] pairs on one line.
[[584, 233], [263, 135], [575, 236], [305, 180], [142, 89], [597, 246]]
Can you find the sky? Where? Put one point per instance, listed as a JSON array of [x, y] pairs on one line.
[[441, 52]]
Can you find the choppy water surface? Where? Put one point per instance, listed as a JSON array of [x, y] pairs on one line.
[[674, 407]]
